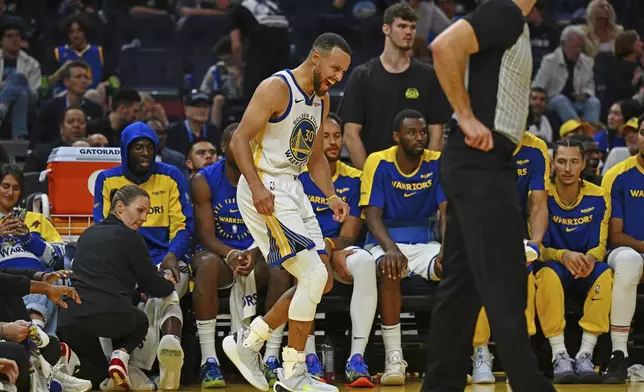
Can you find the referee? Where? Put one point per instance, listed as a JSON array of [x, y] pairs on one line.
[[484, 254]]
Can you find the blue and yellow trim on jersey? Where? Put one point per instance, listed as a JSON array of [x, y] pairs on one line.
[[533, 167], [625, 183], [284, 243]]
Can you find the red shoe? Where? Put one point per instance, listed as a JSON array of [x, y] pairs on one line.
[[118, 369]]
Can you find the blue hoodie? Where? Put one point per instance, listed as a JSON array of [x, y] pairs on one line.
[[170, 220]]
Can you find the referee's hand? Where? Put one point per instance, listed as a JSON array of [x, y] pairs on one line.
[[477, 135]]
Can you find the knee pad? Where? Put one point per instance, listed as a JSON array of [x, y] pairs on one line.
[[361, 262], [308, 293], [627, 264]]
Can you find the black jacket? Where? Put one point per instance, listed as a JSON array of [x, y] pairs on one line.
[[110, 260], [17, 281]]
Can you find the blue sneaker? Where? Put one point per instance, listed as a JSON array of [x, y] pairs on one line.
[[314, 367], [357, 372], [211, 376], [270, 369]]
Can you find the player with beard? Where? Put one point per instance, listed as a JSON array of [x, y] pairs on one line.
[[400, 192], [350, 263], [276, 139], [384, 86]]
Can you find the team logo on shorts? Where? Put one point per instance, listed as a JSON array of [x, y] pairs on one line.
[[301, 142]]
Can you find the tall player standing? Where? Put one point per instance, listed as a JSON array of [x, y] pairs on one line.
[[275, 140]]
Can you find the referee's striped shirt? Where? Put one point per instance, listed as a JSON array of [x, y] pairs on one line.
[[498, 75]]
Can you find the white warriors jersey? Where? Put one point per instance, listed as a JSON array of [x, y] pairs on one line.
[[285, 145]]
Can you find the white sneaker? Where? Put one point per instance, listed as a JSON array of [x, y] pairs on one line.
[[248, 360], [395, 367], [300, 381], [482, 369], [140, 382], [71, 383], [68, 362], [170, 356]]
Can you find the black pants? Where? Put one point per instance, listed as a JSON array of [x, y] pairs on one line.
[[12, 308], [484, 265], [17, 353], [127, 330]]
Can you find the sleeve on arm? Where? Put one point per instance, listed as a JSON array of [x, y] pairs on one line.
[[371, 189], [612, 185], [599, 235], [351, 109], [440, 110], [181, 216], [497, 24], [101, 199], [46, 243], [354, 199], [539, 175], [11, 285], [146, 274], [440, 194]]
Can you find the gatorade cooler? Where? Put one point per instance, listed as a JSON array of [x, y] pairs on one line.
[[72, 173]]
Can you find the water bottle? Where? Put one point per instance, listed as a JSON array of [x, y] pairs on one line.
[[328, 352]]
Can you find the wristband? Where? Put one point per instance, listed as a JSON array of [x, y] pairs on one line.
[[228, 255], [330, 242], [328, 199]]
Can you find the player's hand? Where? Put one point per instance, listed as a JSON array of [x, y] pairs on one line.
[[438, 265], [587, 268], [170, 263], [339, 263], [16, 331], [56, 294], [246, 263], [340, 209], [574, 262], [10, 369], [477, 135], [52, 277], [393, 264], [263, 200]]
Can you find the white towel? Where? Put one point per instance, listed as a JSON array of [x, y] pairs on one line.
[[243, 301], [636, 373]]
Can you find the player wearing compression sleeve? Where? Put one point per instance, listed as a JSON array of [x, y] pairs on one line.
[[400, 193], [625, 183], [350, 264], [574, 248]]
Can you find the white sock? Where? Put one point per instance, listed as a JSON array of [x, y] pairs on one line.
[[391, 338], [364, 298], [481, 350], [588, 342], [274, 343], [206, 333], [558, 345], [620, 341], [310, 345]]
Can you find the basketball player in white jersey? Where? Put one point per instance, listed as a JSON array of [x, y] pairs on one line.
[[275, 140]]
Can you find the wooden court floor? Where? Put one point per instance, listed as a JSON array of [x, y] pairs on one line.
[[498, 387]]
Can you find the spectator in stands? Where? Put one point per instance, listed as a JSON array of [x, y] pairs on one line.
[[628, 69], [382, 87], [222, 81], [126, 104], [539, 124], [97, 140], [201, 153], [350, 264], [592, 156], [573, 251], [400, 192], [75, 78], [431, 19], [113, 253], [618, 114], [77, 29], [567, 76], [619, 154], [624, 182], [544, 38], [72, 126], [225, 250], [533, 167], [167, 233], [260, 40], [601, 28], [574, 127], [20, 75], [165, 154], [152, 109], [197, 125]]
